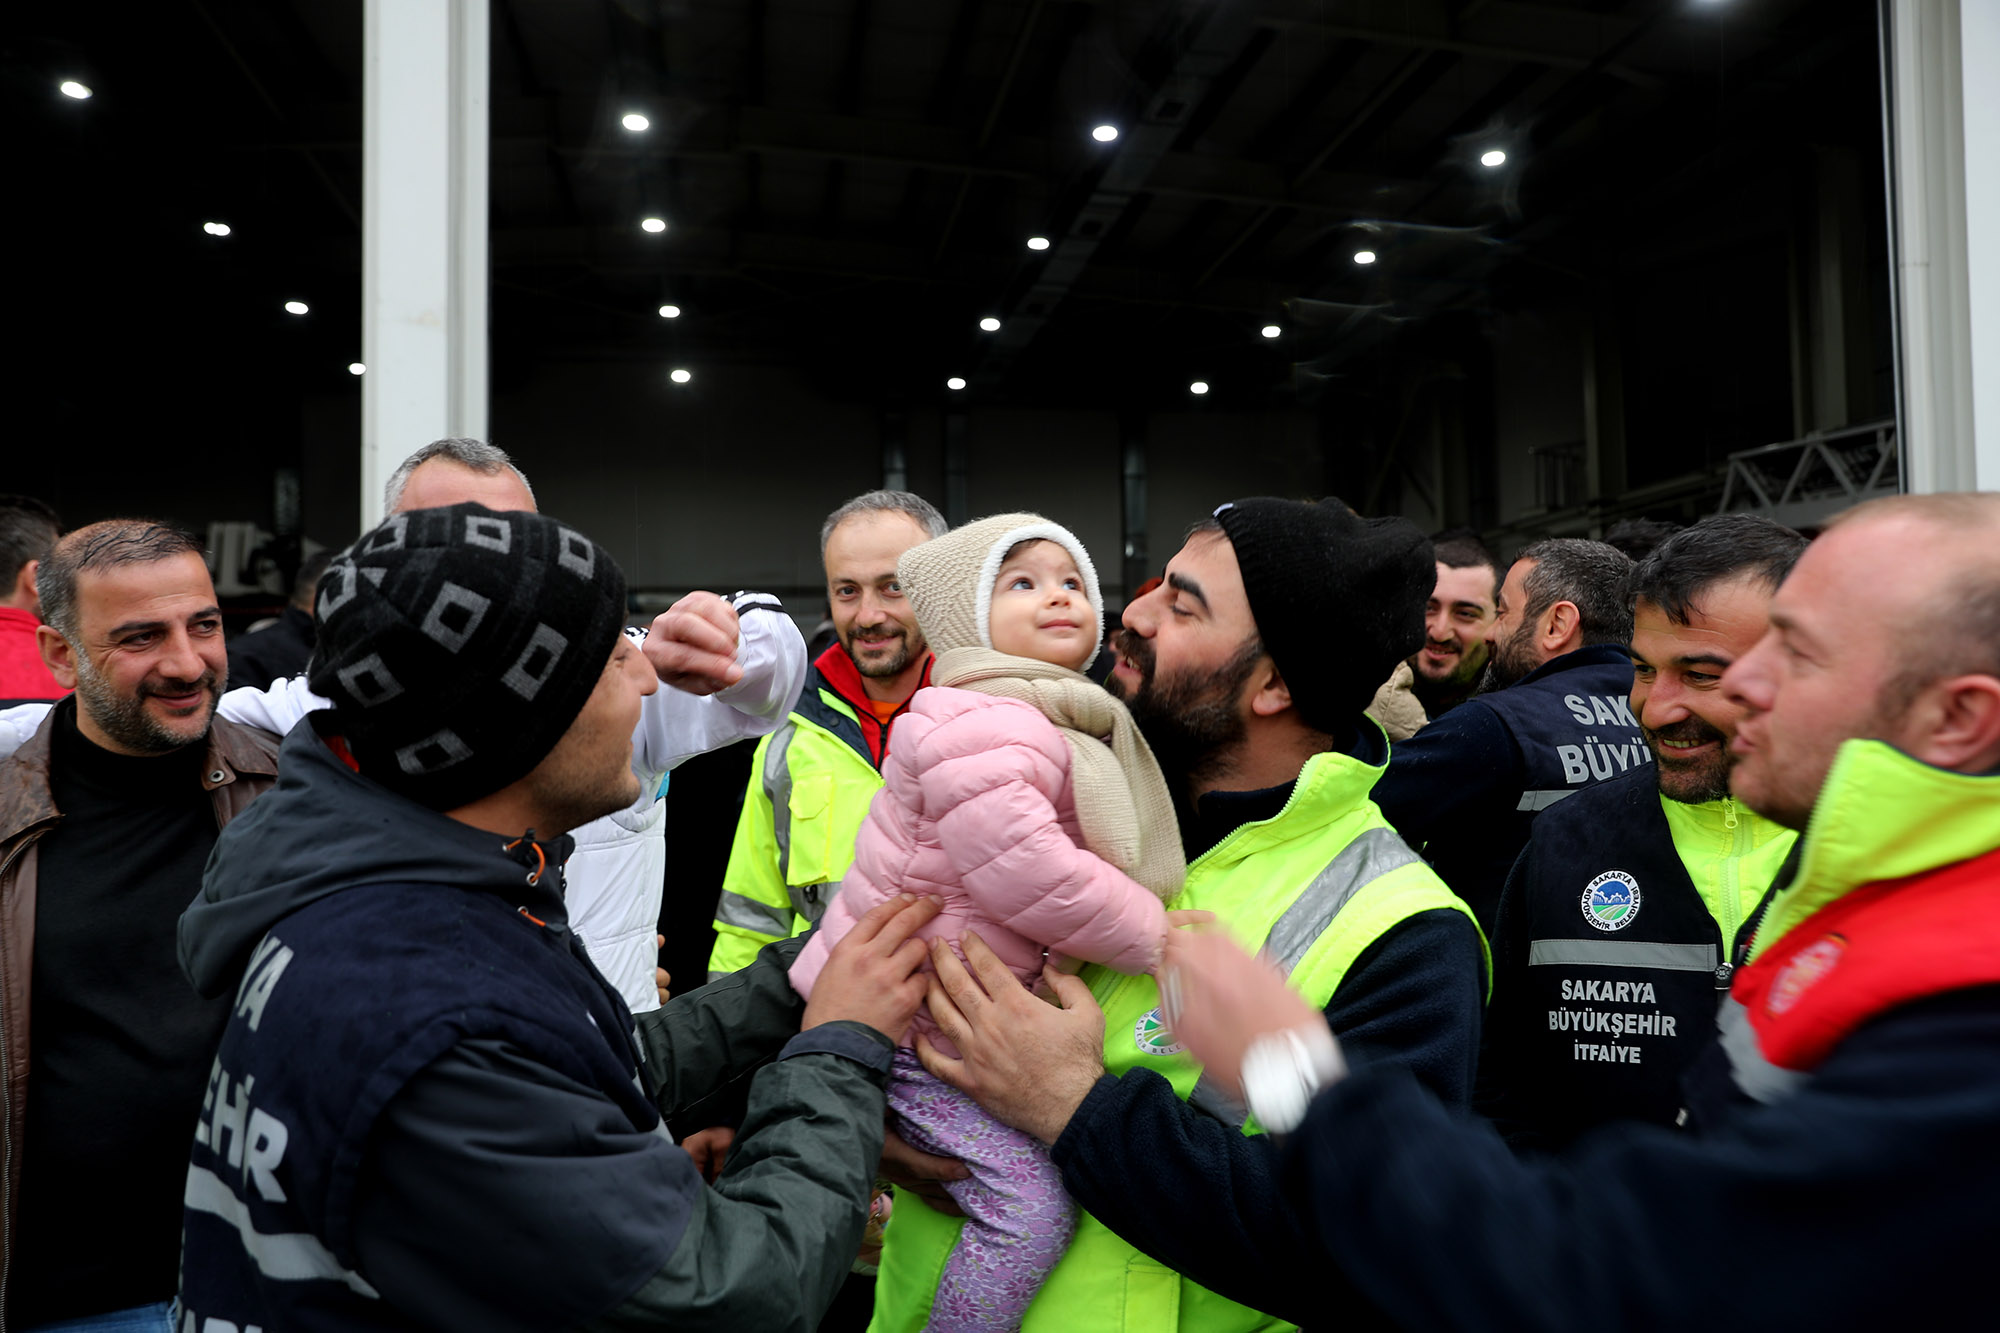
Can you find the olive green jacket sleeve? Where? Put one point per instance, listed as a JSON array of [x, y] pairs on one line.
[[768, 1245], [696, 1043]]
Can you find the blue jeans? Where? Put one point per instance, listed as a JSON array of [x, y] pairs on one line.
[[155, 1318]]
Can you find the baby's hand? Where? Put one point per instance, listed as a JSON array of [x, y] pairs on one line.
[[1189, 916]]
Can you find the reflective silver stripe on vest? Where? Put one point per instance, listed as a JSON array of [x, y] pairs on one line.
[[1623, 953], [733, 909], [1542, 800], [778, 787], [1757, 1077], [293, 1257], [1373, 854], [1369, 857]]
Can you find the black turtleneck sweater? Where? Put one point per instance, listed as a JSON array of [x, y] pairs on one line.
[[119, 1043]]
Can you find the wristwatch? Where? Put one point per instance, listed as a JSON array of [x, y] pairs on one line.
[[1282, 1071]]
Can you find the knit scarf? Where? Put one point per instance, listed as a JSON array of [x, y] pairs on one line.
[[1122, 804]]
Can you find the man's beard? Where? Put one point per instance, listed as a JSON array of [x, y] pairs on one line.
[[1464, 672], [1691, 782], [124, 717], [1191, 722], [1512, 662], [895, 664]]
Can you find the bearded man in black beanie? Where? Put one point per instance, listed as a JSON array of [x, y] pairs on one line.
[[1248, 671], [429, 1108]]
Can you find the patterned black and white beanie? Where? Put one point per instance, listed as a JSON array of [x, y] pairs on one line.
[[457, 645]]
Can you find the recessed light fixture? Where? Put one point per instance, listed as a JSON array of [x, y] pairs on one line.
[[71, 88], [1364, 256], [1270, 330], [295, 307], [653, 225], [954, 384], [1493, 157], [1104, 133], [990, 324], [1198, 387], [670, 312], [216, 228], [680, 376], [356, 368], [636, 123], [1038, 242]]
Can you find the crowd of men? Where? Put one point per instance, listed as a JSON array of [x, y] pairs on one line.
[[1604, 938]]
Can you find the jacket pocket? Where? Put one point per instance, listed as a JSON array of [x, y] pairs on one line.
[[1152, 1297]]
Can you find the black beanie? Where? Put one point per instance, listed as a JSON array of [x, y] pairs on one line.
[[1338, 599], [458, 645]]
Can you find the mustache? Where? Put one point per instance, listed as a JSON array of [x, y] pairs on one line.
[[1688, 731], [1134, 650], [880, 636], [205, 683]]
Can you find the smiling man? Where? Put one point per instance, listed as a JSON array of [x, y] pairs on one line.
[[812, 779], [1457, 619], [1619, 920], [107, 815]]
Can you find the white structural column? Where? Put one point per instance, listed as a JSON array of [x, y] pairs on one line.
[[1944, 139], [423, 231]]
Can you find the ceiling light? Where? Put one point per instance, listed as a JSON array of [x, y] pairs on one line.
[[295, 307], [635, 122], [71, 88], [680, 376], [216, 228], [356, 368], [1104, 133], [954, 384], [1038, 242], [1492, 157], [670, 312], [1198, 387], [990, 324], [1270, 330], [654, 225], [1364, 256]]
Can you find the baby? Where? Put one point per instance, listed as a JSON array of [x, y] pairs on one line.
[[1021, 794]]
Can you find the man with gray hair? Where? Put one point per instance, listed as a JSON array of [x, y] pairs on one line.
[[1552, 718], [735, 665]]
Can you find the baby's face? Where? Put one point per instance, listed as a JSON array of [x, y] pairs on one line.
[[1040, 609]]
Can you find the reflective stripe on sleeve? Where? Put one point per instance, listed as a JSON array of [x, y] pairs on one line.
[[1542, 800], [733, 909]]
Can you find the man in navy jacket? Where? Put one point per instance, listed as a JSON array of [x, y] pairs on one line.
[[1552, 720]]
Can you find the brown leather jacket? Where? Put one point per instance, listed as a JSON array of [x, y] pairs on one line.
[[242, 765]]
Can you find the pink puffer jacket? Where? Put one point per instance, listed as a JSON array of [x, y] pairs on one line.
[[976, 809]]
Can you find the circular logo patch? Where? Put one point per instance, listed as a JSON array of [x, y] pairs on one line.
[[1151, 1035], [1611, 901], [1808, 965]]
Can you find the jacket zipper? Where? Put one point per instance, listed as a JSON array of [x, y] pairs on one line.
[[7, 1109]]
